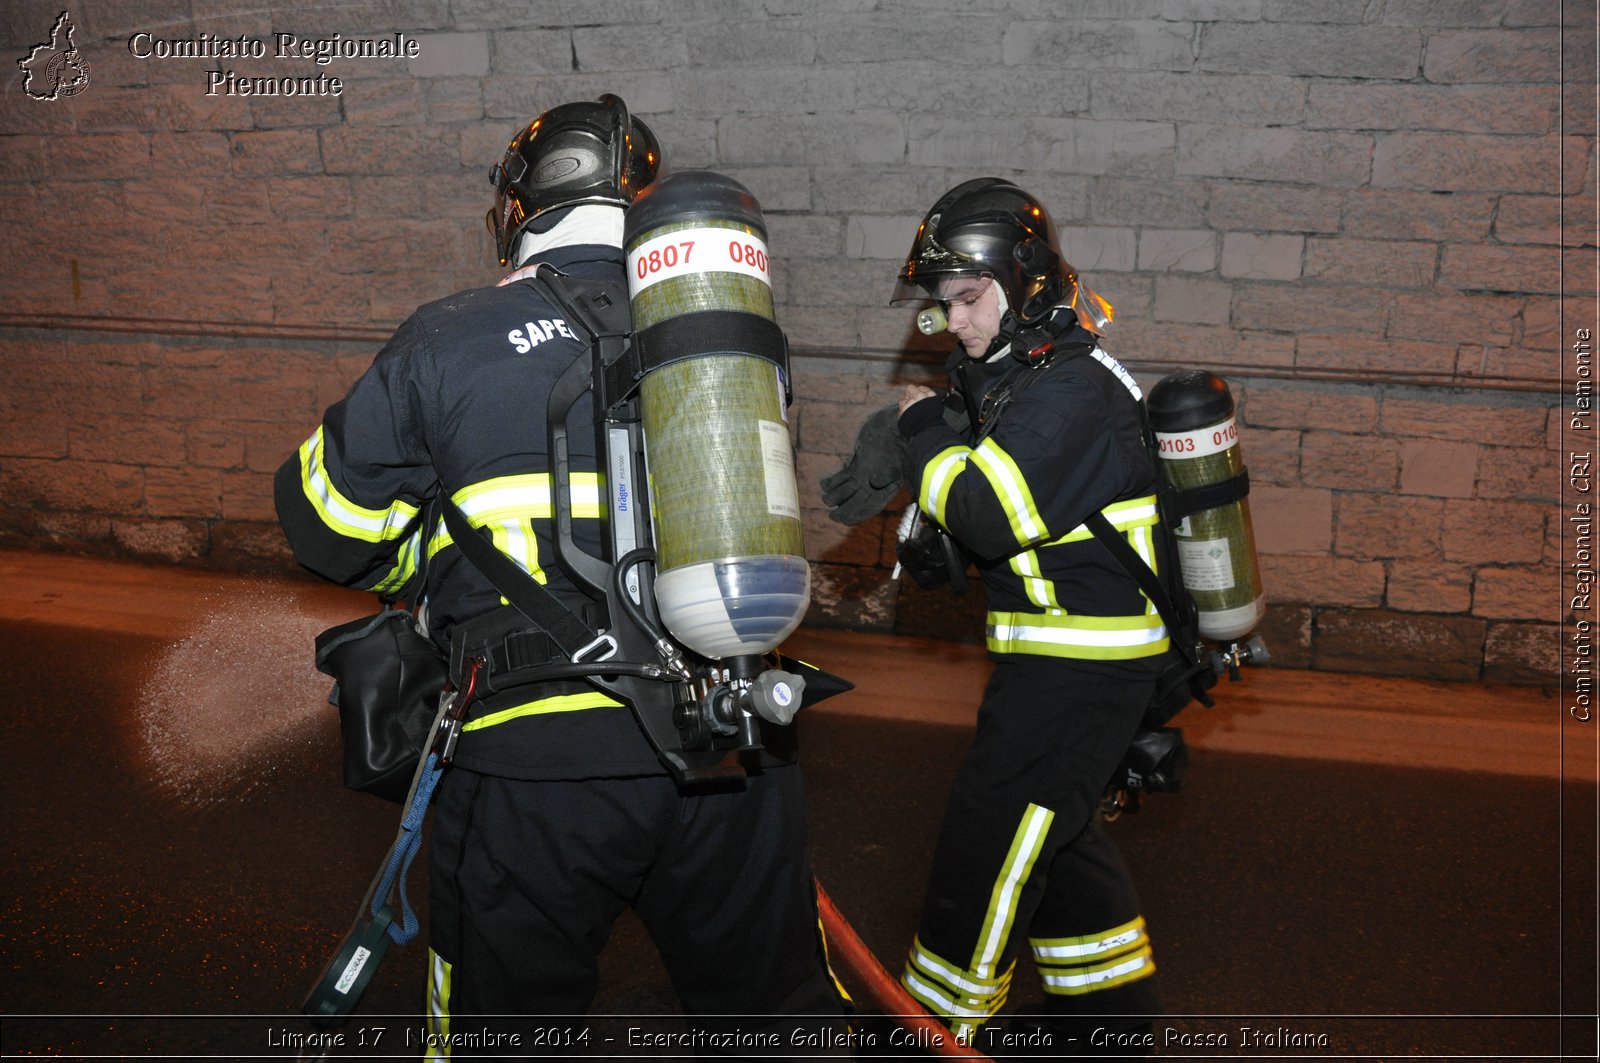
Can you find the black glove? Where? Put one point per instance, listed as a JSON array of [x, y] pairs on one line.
[[872, 475], [932, 558]]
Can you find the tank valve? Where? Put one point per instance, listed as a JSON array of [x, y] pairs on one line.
[[775, 696]]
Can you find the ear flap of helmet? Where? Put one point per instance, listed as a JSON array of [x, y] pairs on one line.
[[621, 129], [1039, 269]]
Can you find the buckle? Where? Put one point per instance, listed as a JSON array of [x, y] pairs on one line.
[[586, 653]]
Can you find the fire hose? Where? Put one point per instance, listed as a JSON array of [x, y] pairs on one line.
[[855, 960]]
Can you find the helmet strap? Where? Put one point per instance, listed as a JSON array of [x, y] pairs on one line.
[[1038, 344]]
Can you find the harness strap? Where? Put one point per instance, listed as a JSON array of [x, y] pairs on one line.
[[1142, 574], [1150, 584], [1210, 496], [521, 649], [700, 333], [563, 627]]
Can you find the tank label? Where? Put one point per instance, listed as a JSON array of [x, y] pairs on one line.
[[1212, 439], [684, 252], [1207, 564], [624, 501], [777, 457]]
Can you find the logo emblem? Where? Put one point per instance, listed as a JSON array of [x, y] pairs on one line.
[[557, 168], [55, 68]]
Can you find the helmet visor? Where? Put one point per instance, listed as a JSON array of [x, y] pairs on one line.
[[941, 287]]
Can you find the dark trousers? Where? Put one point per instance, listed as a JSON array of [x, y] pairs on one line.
[[1021, 860], [527, 878]]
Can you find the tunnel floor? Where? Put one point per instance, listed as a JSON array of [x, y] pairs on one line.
[[180, 861]]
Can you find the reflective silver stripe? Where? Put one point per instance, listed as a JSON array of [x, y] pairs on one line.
[[936, 480], [941, 1002], [930, 979], [1123, 516], [340, 513], [405, 565], [966, 981], [1041, 591], [1072, 630], [1115, 940], [507, 505], [1025, 846], [1011, 489], [1118, 371], [1137, 965], [438, 1016]]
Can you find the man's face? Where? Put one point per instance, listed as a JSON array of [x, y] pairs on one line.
[[972, 305]]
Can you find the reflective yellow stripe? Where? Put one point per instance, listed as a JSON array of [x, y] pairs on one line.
[[526, 496], [999, 471], [507, 505], [965, 1000], [1111, 942], [405, 566], [827, 963], [1063, 634], [996, 930], [967, 997], [545, 706], [937, 477], [1124, 516], [1007, 482], [1040, 591], [338, 512], [1090, 978], [1054, 632], [1072, 966], [438, 1007], [1144, 545]]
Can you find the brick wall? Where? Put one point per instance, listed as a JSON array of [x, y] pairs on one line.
[[1369, 217]]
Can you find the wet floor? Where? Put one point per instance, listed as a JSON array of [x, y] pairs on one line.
[[179, 861]]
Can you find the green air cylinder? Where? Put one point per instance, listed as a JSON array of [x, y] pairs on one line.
[[731, 574], [1192, 414]]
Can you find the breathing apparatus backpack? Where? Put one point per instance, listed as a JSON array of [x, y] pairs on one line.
[[702, 571], [1207, 581]]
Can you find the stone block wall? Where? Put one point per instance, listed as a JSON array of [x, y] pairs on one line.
[[1402, 530], [1374, 219]]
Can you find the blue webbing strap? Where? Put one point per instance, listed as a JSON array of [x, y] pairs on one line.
[[408, 839], [404, 851]]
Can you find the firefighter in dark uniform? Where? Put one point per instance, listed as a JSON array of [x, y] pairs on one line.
[[556, 813], [1040, 430]]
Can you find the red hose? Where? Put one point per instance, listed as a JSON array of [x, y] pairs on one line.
[[852, 957]]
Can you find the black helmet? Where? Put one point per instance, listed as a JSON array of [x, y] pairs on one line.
[[990, 227], [575, 153]]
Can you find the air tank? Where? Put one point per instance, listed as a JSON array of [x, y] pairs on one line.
[[1197, 435], [731, 574]]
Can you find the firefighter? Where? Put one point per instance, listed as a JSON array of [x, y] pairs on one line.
[[1040, 429], [556, 813]]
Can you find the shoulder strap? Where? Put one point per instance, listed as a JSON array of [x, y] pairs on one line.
[[1145, 577], [574, 637]]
